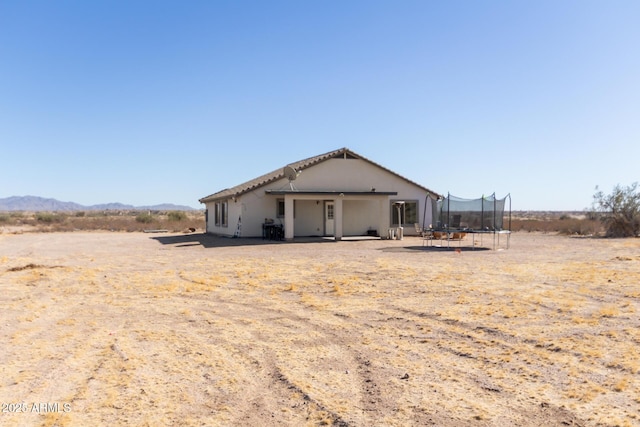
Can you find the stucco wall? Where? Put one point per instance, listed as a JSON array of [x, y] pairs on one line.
[[359, 213], [309, 218], [233, 211], [359, 216], [348, 174]]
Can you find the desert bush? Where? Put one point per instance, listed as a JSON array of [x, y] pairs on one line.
[[176, 216], [568, 225], [4, 218], [50, 218], [144, 218], [130, 221], [578, 226], [619, 211]]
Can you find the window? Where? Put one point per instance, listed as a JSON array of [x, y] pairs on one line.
[[411, 212], [408, 213], [221, 214], [330, 211], [280, 208], [225, 214]]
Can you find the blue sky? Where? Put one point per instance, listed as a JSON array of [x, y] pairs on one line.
[[145, 102]]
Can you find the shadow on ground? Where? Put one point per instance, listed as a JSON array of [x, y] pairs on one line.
[[211, 241], [453, 249]]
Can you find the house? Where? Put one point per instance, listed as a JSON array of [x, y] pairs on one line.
[[339, 193]]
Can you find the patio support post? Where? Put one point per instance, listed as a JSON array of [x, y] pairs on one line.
[[338, 218], [288, 217], [383, 225]]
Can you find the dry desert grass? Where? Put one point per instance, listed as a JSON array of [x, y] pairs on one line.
[[133, 329], [108, 220]]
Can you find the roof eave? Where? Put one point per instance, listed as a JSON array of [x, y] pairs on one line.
[[331, 193]]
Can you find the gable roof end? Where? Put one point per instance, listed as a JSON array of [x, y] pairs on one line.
[[299, 166]]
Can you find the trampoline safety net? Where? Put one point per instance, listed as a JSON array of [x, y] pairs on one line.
[[485, 213]]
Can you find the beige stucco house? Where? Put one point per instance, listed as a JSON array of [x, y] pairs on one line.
[[337, 194]]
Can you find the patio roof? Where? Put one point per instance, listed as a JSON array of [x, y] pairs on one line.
[[332, 193]]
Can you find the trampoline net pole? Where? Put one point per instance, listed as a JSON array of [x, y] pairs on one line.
[[424, 213], [448, 210]]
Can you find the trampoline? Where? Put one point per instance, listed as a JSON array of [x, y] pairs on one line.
[[456, 217]]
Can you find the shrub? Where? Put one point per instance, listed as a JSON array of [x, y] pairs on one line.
[[574, 223], [49, 218], [144, 218], [619, 211], [177, 216], [576, 226]]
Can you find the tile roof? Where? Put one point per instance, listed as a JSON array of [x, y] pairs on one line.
[[299, 166]]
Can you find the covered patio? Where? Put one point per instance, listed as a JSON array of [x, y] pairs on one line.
[[343, 212]]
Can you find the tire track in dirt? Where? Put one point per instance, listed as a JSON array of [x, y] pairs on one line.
[[261, 353], [480, 352], [500, 338], [238, 346], [373, 388], [377, 400]]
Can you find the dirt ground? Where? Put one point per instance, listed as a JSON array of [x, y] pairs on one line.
[[104, 328]]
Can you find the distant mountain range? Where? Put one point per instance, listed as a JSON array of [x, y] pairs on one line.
[[37, 204]]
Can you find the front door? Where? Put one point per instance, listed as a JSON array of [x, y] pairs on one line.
[[328, 219]]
